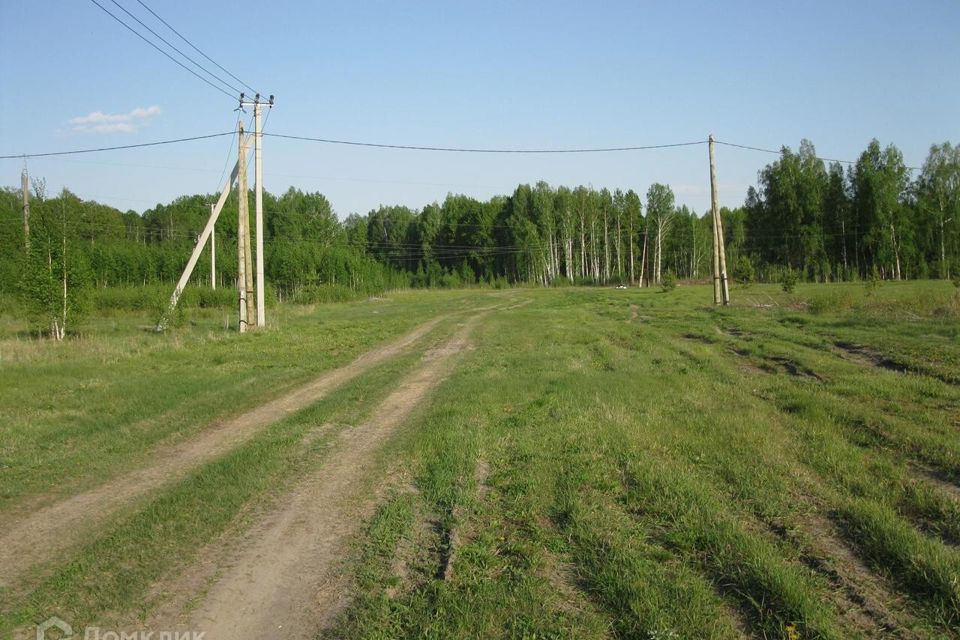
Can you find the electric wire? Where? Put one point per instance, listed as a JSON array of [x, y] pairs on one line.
[[481, 150], [167, 42], [195, 48], [115, 148], [152, 44], [226, 163], [822, 159]]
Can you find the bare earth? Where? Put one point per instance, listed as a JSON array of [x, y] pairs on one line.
[[285, 577], [42, 535]]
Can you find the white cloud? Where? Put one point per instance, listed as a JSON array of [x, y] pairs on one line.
[[99, 122]]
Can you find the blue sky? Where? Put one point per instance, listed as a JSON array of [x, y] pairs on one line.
[[479, 74]]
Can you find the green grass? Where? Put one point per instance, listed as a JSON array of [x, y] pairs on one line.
[[666, 475], [114, 572], [78, 412], [604, 463]]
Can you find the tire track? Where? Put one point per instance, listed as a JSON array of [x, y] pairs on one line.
[[286, 578], [42, 535]]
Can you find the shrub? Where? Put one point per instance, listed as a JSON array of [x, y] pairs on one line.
[[451, 280], [668, 282], [788, 281], [743, 271]]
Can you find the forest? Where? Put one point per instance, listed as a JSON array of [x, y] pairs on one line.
[[822, 222]]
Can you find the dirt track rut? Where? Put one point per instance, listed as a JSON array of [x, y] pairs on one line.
[[285, 580], [41, 535]]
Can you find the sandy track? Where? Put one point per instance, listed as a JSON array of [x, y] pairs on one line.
[[285, 578], [41, 535]]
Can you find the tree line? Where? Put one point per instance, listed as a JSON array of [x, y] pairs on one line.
[[819, 221]]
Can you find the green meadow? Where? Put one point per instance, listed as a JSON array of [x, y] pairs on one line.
[[600, 463]]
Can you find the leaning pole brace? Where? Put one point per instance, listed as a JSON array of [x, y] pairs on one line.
[[198, 249]]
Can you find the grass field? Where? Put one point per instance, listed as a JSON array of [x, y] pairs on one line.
[[599, 463]]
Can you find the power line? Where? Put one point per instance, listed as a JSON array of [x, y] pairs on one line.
[[116, 148], [363, 144], [195, 48], [761, 149], [477, 150], [145, 39], [226, 163], [166, 42]]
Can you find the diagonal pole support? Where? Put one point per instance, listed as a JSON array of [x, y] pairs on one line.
[[198, 249]]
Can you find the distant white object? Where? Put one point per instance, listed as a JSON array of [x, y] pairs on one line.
[[621, 286]]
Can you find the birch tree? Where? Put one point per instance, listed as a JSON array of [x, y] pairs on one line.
[[660, 213]]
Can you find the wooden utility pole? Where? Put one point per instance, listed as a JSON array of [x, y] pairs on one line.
[[25, 188], [258, 173], [243, 221], [213, 254], [721, 290]]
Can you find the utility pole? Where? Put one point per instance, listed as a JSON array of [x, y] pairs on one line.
[[205, 235], [25, 188], [248, 313], [257, 104], [721, 290], [243, 221], [258, 199], [213, 254]]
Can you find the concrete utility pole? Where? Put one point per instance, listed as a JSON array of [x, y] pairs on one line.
[[721, 290], [258, 199], [257, 105], [243, 221], [213, 254], [250, 312], [25, 188]]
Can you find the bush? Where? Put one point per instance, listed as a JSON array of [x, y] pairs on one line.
[[668, 282], [743, 271], [451, 280], [788, 281], [561, 281]]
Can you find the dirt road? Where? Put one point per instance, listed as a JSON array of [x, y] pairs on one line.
[[284, 578], [42, 535]]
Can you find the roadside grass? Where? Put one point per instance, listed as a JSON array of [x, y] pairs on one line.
[[603, 463], [112, 578], [77, 413], [661, 468]]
